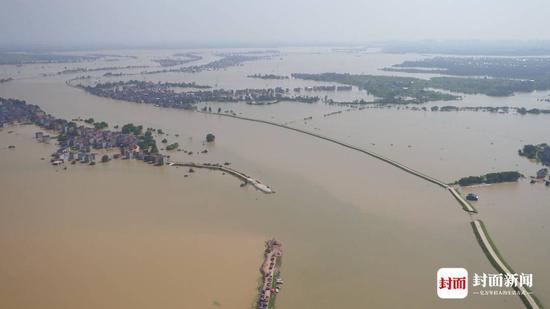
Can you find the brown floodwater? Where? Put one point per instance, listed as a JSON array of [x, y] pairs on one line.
[[356, 232]]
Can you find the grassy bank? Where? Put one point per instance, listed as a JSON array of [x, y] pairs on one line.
[[496, 263]]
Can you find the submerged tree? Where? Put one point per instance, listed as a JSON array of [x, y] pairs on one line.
[[210, 137]]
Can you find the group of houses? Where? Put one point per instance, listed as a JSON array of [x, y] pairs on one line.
[[541, 175], [79, 143], [271, 283], [76, 143], [164, 94], [324, 88]]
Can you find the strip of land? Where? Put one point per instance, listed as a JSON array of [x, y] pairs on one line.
[[247, 179], [527, 296], [490, 178], [270, 271], [410, 90], [227, 60]]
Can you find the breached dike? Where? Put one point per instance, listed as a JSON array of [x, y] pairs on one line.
[[247, 179], [258, 185]]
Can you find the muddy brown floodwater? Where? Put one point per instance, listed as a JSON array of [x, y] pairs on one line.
[[358, 233]]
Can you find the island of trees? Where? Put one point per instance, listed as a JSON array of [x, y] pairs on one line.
[[189, 57], [226, 60], [507, 75], [498, 67], [490, 178], [210, 137], [539, 153], [397, 89], [172, 146], [387, 89]]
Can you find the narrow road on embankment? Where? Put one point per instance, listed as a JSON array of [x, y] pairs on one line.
[[368, 152], [528, 298], [480, 231], [247, 179]]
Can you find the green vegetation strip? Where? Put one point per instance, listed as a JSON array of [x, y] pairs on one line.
[[489, 178], [387, 89], [498, 262]]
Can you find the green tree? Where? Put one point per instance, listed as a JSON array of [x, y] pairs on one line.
[[529, 151], [471, 180], [210, 137], [101, 125], [172, 146], [131, 128]]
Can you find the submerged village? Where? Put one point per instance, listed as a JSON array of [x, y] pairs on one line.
[[165, 94], [77, 142]]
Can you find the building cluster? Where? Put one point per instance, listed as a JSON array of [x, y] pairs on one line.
[[543, 172], [163, 94], [76, 143], [541, 175], [267, 76], [324, 88], [271, 283], [12, 110]]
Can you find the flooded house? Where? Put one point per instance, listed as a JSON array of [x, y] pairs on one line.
[[542, 173]]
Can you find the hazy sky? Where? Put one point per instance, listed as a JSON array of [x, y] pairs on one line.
[[169, 22]]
